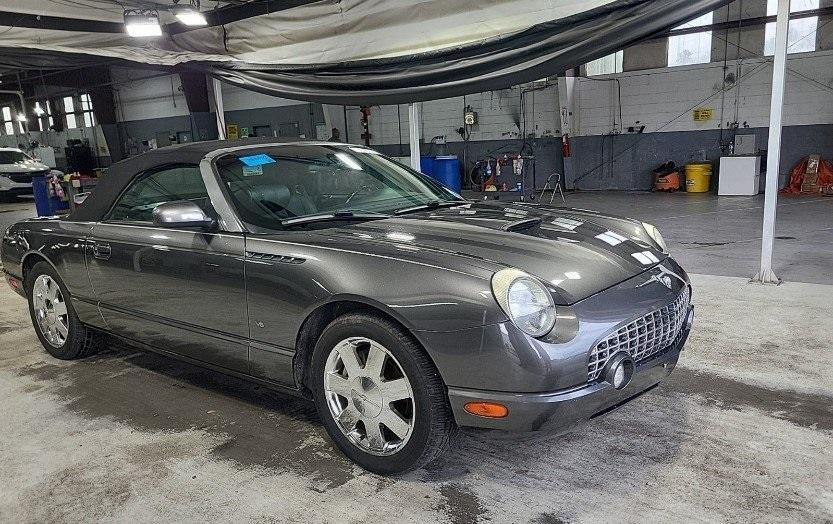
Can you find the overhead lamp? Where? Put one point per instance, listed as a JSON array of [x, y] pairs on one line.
[[190, 16], [38, 110], [21, 117], [142, 23]]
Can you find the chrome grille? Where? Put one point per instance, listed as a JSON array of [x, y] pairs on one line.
[[642, 338]]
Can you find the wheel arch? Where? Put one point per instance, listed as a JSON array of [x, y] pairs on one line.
[[321, 315], [30, 259]]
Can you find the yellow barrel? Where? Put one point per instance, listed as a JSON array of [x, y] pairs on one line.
[[697, 178]]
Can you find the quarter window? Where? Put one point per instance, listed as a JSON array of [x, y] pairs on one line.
[[156, 188]]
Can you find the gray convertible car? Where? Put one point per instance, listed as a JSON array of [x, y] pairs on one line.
[[332, 272]]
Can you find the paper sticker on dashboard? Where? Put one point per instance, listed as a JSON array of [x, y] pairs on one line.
[[252, 170], [257, 160]]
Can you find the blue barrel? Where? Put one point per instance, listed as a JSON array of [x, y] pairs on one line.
[[426, 165], [41, 190], [46, 205], [447, 172]]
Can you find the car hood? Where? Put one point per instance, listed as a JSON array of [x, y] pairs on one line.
[[577, 252], [23, 167]]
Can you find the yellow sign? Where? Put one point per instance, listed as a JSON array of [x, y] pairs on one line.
[[232, 131], [703, 114]]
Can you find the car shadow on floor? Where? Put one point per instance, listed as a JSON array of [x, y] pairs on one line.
[[265, 428]]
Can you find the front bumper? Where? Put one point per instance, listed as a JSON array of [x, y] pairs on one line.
[[15, 283], [560, 411], [10, 187]]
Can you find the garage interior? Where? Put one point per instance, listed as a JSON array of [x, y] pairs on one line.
[[742, 431]]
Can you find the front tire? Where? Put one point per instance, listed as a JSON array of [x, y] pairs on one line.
[[53, 317], [380, 397]]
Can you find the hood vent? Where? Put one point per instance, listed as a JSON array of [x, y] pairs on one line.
[[521, 225]]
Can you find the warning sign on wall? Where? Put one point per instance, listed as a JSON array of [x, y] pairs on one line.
[[703, 114]]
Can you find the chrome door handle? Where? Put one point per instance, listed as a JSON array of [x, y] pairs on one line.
[[101, 251]]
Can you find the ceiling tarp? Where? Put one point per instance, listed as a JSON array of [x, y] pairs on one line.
[[385, 51]]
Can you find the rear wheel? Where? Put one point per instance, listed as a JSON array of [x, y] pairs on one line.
[[380, 397], [56, 324]]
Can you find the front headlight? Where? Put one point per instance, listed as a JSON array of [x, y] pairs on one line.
[[654, 233], [525, 300]]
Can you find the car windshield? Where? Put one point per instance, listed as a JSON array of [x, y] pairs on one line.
[[13, 157], [276, 186]]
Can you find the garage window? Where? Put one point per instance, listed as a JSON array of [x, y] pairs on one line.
[[87, 110], [69, 109], [8, 121], [45, 120], [606, 65], [801, 37], [692, 48]]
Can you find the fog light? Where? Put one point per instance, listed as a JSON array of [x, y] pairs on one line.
[[487, 409], [619, 370]]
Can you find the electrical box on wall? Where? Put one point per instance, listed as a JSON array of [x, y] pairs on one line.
[[470, 118]]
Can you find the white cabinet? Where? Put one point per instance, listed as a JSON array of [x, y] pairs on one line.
[[739, 175]]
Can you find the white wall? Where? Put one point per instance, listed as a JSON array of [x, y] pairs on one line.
[[498, 114], [658, 97], [236, 98], [142, 95]]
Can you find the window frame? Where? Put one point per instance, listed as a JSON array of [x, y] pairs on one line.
[[107, 218], [618, 64], [87, 113], [7, 121], [769, 27], [70, 112], [707, 34]]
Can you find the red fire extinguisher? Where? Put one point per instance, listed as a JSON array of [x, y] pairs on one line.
[[565, 146]]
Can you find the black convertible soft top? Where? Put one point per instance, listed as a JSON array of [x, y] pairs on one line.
[[120, 174]]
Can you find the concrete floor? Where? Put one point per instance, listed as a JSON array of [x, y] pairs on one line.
[[742, 431]]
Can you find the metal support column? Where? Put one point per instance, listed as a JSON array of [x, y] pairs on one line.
[[776, 113], [413, 126], [217, 88]]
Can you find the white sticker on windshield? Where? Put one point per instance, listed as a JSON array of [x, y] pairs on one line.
[[252, 170]]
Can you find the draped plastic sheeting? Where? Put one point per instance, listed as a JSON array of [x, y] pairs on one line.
[[381, 51]]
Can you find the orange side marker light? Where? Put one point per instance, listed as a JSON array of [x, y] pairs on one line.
[[487, 409]]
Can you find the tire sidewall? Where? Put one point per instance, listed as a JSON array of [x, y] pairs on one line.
[[68, 350], [370, 327]]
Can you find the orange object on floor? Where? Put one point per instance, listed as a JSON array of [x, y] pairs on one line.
[[667, 182], [667, 177], [825, 177]]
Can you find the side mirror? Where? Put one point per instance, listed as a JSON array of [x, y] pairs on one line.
[[182, 214], [79, 198]]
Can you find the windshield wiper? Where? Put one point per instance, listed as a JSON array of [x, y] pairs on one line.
[[434, 204], [332, 217]]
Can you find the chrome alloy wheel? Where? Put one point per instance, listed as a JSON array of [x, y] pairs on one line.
[[50, 310], [369, 396]]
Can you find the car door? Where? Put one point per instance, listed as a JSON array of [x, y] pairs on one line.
[[178, 290]]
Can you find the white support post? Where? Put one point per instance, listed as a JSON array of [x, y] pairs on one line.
[[217, 88], [773, 162], [413, 126]]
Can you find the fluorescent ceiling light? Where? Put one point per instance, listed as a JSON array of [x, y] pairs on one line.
[[142, 23], [38, 109], [190, 16]]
